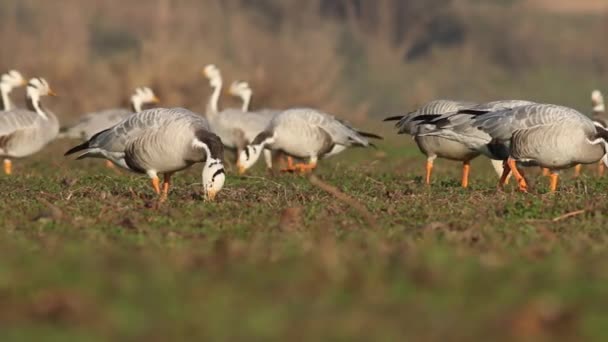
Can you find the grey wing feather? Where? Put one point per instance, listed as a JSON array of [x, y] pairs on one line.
[[502, 124], [411, 122], [17, 119], [116, 137]]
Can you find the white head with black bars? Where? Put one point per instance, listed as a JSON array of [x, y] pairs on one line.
[[142, 96], [36, 88], [597, 101], [213, 175], [251, 153], [242, 90]]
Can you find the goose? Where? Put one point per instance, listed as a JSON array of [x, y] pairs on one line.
[[547, 135], [304, 133], [92, 123], [437, 146], [458, 126], [598, 115], [243, 91], [24, 132], [160, 141], [10, 80], [235, 127]]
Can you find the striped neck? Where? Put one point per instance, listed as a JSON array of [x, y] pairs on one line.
[[5, 102], [33, 103], [135, 104], [212, 106]]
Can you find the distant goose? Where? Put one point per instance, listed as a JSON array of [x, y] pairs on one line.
[[438, 146], [25, 132], [8, 82], [161, 141], [243, 91], [235, 127], [550, 136], [304, 133], [95, 122]]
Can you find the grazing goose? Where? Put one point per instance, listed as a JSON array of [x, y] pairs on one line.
[[159, 141], [437, 146], [242, 90], [235, 127], [304, 133], [95, 122], [26, 131], [458, 126], [547, 135], [8, 82]]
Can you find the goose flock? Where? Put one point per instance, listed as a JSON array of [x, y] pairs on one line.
[[512, 134]]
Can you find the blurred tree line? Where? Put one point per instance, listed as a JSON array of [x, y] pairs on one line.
[[349, 56]]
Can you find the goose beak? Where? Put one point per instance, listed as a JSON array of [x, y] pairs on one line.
[[211, 195], [155, 99], [51, 93], [241, 168], [23, 82]]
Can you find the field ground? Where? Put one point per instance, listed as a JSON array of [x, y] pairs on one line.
[[84, 256]]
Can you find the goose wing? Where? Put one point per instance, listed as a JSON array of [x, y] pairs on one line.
[[115, 139], [410, 122], [502, 124]]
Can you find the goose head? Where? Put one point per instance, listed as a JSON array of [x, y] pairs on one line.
[[12, 79], [240, 89], [213, 177], [143, 95], [212, 73], [38, 87], [251, 153]]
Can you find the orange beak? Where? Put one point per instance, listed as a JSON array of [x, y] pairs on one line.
[[51, 93], [211, 195], [155, 99]]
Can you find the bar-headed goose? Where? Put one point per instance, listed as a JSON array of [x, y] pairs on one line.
[[26, 131], [436, 146], [551, 136], [235, 127], [92, 123], [161, 141], [458, 126], [304, 133], [262, 117], [8, 82]]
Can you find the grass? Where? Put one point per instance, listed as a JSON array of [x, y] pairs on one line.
[[85, 256]]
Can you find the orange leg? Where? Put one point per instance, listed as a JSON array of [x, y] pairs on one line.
[[577, 170], [546, 172], [521, 181], [290, 165], [305, 168], [156, 185], [466, 168], [429, 170], [601, 168], [8, 167], [109, 164], [553, 184], [166, 185]]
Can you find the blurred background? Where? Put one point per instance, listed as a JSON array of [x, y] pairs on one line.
[[358, 59]]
